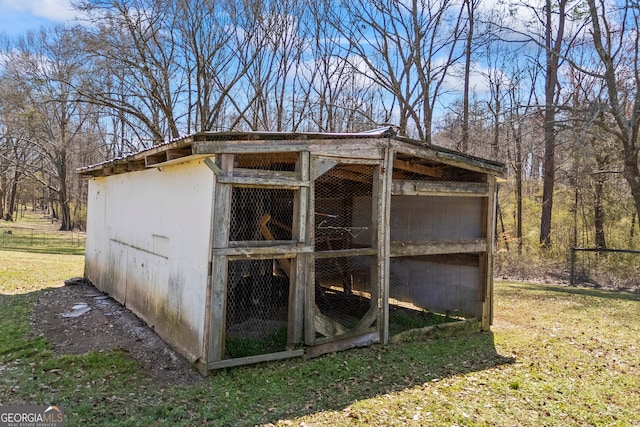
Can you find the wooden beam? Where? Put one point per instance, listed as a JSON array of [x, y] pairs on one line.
[[452, 159], [229, 363], [438, 247], [327, 326], [156, 158], [418, 168], [265, 174], [346, 253], [242, 147], [212, 165], [178, 153], [342, 344], [219, 270], [249, 182], [487, 277], [299, 271], [439, 188]]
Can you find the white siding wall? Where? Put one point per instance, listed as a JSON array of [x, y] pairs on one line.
[[148, 246]]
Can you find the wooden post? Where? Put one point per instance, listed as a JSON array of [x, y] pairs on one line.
[[299, 271], [572, 267], [220, 239], [384, 181], [487, 262]]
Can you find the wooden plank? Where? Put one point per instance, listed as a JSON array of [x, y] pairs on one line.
[[212, 165], [367, 320], [250, 182], [219, 239], [232, 147], [154, 159], [217, 308], [266, 174], [487, 309], [342, 344], [309, 285], [439, 188], [384, 245], [349, 160], [270, 357], [178, 152], [467, 163], [346, 253], [320, 166], [299, 272], [418, 168], [262, 244], [464, 162], [326, 326], [354, 149], [260, 253], [438, 247]]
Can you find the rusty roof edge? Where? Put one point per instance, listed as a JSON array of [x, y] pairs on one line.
[[383, 132]]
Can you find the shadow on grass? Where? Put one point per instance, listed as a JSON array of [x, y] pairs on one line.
[[249, 395], [270, 392]]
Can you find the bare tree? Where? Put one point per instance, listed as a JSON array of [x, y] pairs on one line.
[[42, 68], [406, 48], [616, 40], [553, 43], [132, 48]]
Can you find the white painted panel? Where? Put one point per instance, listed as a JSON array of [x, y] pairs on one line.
[[148, 245]]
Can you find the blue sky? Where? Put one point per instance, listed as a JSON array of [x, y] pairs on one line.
[[19, 16]]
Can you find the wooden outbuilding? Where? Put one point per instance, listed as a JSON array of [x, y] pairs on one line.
[[245, 247]]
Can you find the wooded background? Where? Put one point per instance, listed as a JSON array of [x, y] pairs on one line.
[[550, 88]]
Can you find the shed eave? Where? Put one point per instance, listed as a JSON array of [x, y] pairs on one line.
[[203, 144]]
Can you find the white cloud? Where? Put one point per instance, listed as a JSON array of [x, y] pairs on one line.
[[54, 10]]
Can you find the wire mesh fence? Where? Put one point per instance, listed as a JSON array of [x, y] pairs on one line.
[[600, 267], [37, 239], [257, 308]]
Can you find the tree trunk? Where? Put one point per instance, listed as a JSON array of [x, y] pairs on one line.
[[12, 196], [632, 175], [551, 81], [467, 72], [518, 171], [598, 213], [63, 194], [3, 193]]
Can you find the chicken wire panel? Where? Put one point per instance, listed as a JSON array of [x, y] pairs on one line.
[[421, 218], [343, 292], [435, 284], [285, 162], [343, 198], [259, 214], [256, 308]]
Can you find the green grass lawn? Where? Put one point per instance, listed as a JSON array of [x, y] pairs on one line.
[[556, 356], [35, 232]]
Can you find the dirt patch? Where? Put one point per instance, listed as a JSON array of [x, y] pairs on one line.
[[107, 325]]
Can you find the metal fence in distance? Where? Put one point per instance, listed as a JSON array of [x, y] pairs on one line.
[[602, 267], [26, 238]]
